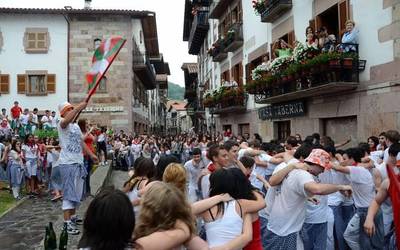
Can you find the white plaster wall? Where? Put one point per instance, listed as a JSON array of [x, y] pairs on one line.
[[14, 60], [255, 32], [137, 31], [302, 13], [369, 17]]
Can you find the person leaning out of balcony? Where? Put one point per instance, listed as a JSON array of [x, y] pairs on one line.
[[282, 48], [349, 38]]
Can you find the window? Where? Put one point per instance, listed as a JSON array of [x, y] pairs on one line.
[[237, 73], [36, 83], [283, 129], [253, 64], [36, 40], [102, 85], [4, 84], [333, 19], [244, 129], [226, 76]]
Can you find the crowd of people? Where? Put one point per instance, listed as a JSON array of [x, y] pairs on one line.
[[232, 192], [212, 192]]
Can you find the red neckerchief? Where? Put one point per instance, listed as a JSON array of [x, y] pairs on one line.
[[211, 167], [398, 163], [354, 164]]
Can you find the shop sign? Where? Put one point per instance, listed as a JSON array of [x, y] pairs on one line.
[[282, 110], [104, 109]]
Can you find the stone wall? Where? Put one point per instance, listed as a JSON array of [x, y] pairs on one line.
[[83, 31]]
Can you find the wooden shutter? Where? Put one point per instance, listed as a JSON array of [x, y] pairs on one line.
[[4, 84], [248, 73], [31, 40], [291, 38], [312, 24], [343, 12], [240, 74], [21, 84], [51, 83]]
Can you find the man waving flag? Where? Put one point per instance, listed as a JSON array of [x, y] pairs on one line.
[[102, 60]]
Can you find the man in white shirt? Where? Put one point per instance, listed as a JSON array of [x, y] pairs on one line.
[[34, 120], [362, 184], [193, 170], [54, 120], [288, 209], [46, 120]]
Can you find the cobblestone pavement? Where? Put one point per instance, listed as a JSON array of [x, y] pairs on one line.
[[24, 227]]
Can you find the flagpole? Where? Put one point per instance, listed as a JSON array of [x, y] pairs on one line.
[[93, 90]]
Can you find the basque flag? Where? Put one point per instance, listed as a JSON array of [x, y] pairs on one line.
[[102, 60]]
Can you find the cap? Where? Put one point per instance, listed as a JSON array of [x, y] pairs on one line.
[[63, 107], [319, 157]]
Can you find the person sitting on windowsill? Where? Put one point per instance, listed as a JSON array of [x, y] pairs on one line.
[[326, 42], [282, 48]]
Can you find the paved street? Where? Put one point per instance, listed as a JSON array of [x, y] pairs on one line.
[[24, 227]]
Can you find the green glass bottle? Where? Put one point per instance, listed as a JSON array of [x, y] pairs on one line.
[[46, 238], [63, 238], [52, 237]]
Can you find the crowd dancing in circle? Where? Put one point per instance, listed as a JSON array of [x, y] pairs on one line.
[[192, 191]]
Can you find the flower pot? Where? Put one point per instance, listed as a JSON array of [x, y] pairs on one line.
[[334, 63], [347, 63]]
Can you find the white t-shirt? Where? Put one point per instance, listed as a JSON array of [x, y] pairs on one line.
[[289, 208], [30, 152], [101, 137], [318, 212], [275, 190], [260, 170], [55, 155], [24, 119], [193, 172], [54, 121], [35, 118], [337, 198], [205, 186], [71, 144], [362, 184], [46, 121]]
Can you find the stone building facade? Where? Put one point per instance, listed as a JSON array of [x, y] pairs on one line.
[[122, 100]]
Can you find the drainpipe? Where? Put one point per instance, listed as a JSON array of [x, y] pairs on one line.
[[65, 15]]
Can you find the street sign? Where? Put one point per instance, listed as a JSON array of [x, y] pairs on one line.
[[282, 110]]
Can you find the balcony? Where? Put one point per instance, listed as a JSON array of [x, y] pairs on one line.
[[143, 69], [275, 9], [217, 51], [162, 80], [324, 74], [234, 38], [205, 3], [226, 100], [218, 7], [198, 31]]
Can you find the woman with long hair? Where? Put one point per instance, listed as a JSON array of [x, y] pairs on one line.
[[163, 206], [175, 174], [16, 168], [110, 221], [88, 139], [144, 170], [224, 221], [30, 153]]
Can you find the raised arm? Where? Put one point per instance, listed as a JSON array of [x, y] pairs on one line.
[[253, 206], [201, 206], [278, 177], [70, 117], [323, 189]]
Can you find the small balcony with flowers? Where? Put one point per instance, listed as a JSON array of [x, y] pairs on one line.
[[234, 38], [217, 51], [226, 99], [307, 73], [271, 10]]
